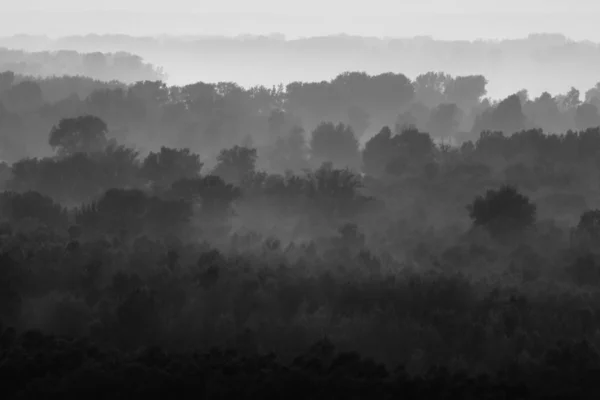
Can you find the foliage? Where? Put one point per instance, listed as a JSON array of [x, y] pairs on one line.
[[503, 211], [82, 134], [381, 258], [336, 144], [235, 164], [214, 196], [168, 165], [16, 207], [133, 212]]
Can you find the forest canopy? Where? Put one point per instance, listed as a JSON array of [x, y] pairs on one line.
[[414, 226]]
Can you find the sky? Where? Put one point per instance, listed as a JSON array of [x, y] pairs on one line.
[[313, 7], [450, 19]]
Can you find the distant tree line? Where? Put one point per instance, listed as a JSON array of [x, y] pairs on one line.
[[278, 121], [119, 66]]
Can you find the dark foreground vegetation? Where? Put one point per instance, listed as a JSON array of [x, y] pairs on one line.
[[309, 266], [35, 365]]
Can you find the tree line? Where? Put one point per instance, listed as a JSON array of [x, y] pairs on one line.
[[206, 117]]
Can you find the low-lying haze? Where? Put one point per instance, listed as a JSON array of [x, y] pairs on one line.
[[172, 32]]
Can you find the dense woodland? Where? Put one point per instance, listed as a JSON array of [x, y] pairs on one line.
[[333, 237]]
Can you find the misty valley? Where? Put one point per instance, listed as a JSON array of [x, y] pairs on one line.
[[366, 236]]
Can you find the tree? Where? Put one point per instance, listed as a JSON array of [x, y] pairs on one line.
[[587, 232], [466, 91], [235, 164], [265, 99], [586, 116], [212, 199], [336, 144], [83, 134], [24, 97], [120, 165], [132, 212], [418, 145], [589, 223], [523, 96], [12, 143], [544, 113], [569, 100], [16, 207], [79, 177], [592, 96], [506, 117], [379, 151], [165, 167], [502, 211], [290, 152], [408, 150], [166, 217], [7, 79], [95, 64], [153, 93], [444, 120], [122, 209], [430, 88], [417, 115], [211, 193], [335, 192]]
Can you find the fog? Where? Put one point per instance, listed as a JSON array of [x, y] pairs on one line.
[[356, 206], [172, 33], [538, 63]]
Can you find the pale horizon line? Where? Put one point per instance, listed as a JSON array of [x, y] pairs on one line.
[[287, 38]]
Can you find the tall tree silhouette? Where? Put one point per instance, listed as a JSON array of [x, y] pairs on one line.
[[81, 134]]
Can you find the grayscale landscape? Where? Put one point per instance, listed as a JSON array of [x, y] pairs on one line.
[[315, 200]]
